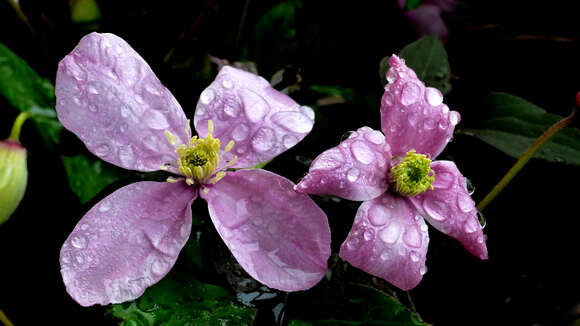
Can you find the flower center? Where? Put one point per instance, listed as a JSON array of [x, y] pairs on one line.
[[412, 175], [200, 158]]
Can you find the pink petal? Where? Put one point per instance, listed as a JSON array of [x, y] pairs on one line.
[[356, 169], [280, 237], [450, 209], [109, 97], [126, 242], [389, 240], [413, 116], [260, 120]]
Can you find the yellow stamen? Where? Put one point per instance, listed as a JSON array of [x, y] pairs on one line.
[[172, 180], [229, 146], [171, 138], [413, 175]]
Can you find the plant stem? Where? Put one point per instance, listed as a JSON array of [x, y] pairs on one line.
[[17, 126], [5, 319], [528, 154]]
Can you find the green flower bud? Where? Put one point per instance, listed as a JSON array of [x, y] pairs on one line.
[[13, 177]]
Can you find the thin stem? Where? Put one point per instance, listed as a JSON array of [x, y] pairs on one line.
[[528, 154], [17, 126], [5, 319]]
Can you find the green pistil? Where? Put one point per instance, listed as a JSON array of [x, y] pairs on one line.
[[197, 157], [413, 175]]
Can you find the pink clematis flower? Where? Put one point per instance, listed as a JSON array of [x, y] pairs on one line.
[[110, 98], [389, 236]]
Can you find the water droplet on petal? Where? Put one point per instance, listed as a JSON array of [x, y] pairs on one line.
[[330, 159], [413, 118], [207, 96], [412, 237], [444, 109], [352, 243], [454, 117], [126, 155], [306, 110], [391, 75], [443, 124], [255, 106], [481, 219], [264, 139], [375, 137], [352, 174], [369, 234], [159, 266], [105, 206], [414, 256], [79, 241], [433, 96], [386, 255], [102, 150], [289, 140], [443, 180], [362, 152], [470, 225], [155, 120], [293, 121], [227, 83], [379, 215], [423, 270], [469, 186], [435, 209], [424, 228], [465, 203], [410, 94], [391, 233], [241, 132], [429, 124]]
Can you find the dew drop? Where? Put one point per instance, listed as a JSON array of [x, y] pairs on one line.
[[255, 106], [412, 237], [241, 132], [386, 255], [375, 137], [102, 150], [369, 234], [469, 186], [433, 96], [227, 83], [481, 219], [79, 241], [429, 124], [159, 267], [444, 109], [435, 209], [207, 96], [126, 156], [92, 108], [292, 121], [263, 140], [289, 140], [391, 75], [410, 94], [414, 256], [352, 243], [155, 120], [352, 174], [362, 152], [391, 233], [413, 118], [307, 111], [423, 270], [231, 110], [454, 118], [379, 215], [465, 203], [470, 225], [93, 90], [389, 100], [424, 228], [329, 160], [443, 124], [105, 206], [152, 89], [125, 110]]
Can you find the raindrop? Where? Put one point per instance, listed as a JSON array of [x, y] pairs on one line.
[[429, 124], [105, 206], [454, 117], [306, 110], [292, 121], [329, 160], [469, 186], [433, 96], [226, 83], [375, 137], [412, 237], [102, 150], [264, 139], [207, 96], [241, 132], [444, 109], [481, 219], [465, 203], [352, 243], [126, 156], [391, 233], [125, 110], [413, 118], [410, 94], [423, 270], [352, 174], [159, 267], [414, 256], [369, 234], [391, 75], [443, 124], [388, 100], [92, 108], [385, 255], [289, 140], [92, 89], [470, 225], [155, 120], [362, 152], [254, 105], [79, 241], [435, 209]]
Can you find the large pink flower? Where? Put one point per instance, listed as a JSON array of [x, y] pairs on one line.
[[389, 236], [109, 97]]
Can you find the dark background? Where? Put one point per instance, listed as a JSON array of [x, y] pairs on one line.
[[531, 50]]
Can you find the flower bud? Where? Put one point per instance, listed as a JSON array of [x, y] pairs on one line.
[[13, 177]]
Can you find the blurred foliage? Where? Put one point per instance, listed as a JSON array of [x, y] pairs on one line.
[[512, 124], [88, 176], [428, 58]]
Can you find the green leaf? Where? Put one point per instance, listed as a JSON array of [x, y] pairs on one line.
[[331, 90], [26, 91], [413, 4], [87, 176], [428, 58], [512, 124], [180, 299], [357, 304]]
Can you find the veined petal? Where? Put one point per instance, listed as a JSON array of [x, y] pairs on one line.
[[389, 240], [280, 237], [260, 120], [111, 99], [356, 169], [126, 242], [450, 209], [414, 116]]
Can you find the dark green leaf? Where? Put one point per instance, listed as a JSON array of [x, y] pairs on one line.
[[357, 304], [180, 299], [331, 90], [87, 176], [413, 4], [512, 124], [428, 58], [26, 91]]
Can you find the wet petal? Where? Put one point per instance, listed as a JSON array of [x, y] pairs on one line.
[[280, 237], [389, 240], [450, 209], [356, 169], [260, 120], [109, 97], [126, 242], [414, 116]]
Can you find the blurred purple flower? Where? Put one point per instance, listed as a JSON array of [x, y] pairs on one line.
[[389, 236], [426, 19], [111, 99]]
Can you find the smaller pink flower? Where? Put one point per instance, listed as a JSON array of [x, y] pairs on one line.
[[392, 173], [111, 99]]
